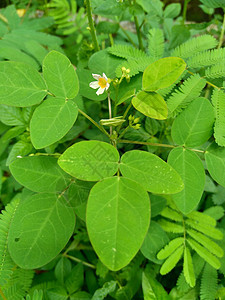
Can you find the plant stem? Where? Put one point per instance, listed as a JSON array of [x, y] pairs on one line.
[[110, 112], [123, 132], [79, 261], [185, 10], [3, 296], [91, 25], [124, 115], [222, 32], [128, 37], [138, 33], [93, 122], [208, 82], [155, 144]]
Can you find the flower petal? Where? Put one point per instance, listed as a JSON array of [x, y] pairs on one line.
[[96, 76], [94, 84], [100, 91], [107, 86], [104, 76]]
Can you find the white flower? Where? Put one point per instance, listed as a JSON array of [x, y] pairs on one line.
[[101, 84]]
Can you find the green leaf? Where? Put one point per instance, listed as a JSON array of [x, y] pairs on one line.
[[202, 218], [80, 296], [192, 172], [85, 77], [206, 229], [172, 260], [172, 10], [209, 283], [90, 160], [107, 288], [57, 293], [78, 194], [41, 227], [20, 85], [218, 99], [189, 273], [102, 62], [205, 254], [157, 205], [62, 269], [162, 73], [151, 105], [60, 75], [171, 226], [194, 131], [215, 161], [51, 120], [20, 148], [118, 216], [152, 289], [154, 174], [75, 279], [155, 239], [40, 174], [170, 248], [213, 247], [11, 116]]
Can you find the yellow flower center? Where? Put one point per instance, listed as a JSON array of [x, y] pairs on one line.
[[102, 82]]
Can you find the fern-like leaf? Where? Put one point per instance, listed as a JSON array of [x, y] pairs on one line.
[[209, 283], [202, 218], [172, 260], [135, 66], [205, 254], [171, 214], [171, 227], [216, 71], [156, 43], [218, 101], [126, 51], [198, 263], [6, 263], [206, 229], [207, 58], [18, 284], [195, 45], [213, 3], [206, 242], [37, 295], [188, 268], [170, 248], [188, 91]]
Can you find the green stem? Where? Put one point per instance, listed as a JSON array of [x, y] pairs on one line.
[[79, 261], [124, 115], [2, 294], [155, 144], [93, 122], [123, 132], [222, 32], [138, 33], [91, 25], [185, 10], [110, 112], [208, 82], [128, 37]]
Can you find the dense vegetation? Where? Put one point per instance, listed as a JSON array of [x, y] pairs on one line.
[[112, 149]]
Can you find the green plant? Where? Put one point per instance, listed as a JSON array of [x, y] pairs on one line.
[[108, 185]]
